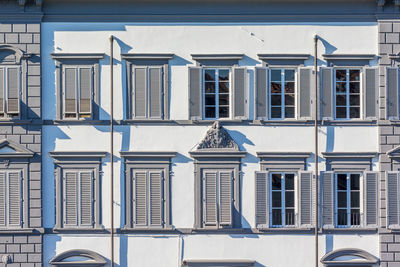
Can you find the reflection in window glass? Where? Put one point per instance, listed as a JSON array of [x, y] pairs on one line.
[[282, 93], [348, 199], [216, 93], [347, 86], [282, 199]]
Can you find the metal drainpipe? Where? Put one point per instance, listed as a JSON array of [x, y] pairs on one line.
[[316, 147], [112, 148]]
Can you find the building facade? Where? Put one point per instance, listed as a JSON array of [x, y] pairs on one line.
[[213, 133]]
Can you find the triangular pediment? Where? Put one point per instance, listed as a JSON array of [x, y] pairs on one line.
[[11, 149], [217, 138], [394, 153]]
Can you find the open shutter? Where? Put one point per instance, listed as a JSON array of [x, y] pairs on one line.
[[155, 92], [156, 198], [86, 199], [14, 198], [392, 93], [70, 199], [262, 193], [305, 86], [70, 82], [86, 91], [140, 198], [2, 86], [13, 84], [326, 102], [261, 94], [370, 92], [195, 97], [306, 201], [328, 189], [225, 198], [371, 199], [239, 93], [392, 187], [2, 199], [210, 198], [139, 92]]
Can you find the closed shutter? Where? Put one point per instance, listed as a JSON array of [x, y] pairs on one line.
[[262, 197], [140, 198], [239, 93], [14, 198], [306, 201], [70, 82], [326, 93], [13, 84], [371, 199], [86, 89], [2, 85], [261, 94], [195, 97], [371, 92], [392, 187], [328, 187], [156, 198], [70, 199], [155, 92], [2, 199], [304, 93], [392, 93], [86, 199], [139, 92], [210, 198], [225, 198]]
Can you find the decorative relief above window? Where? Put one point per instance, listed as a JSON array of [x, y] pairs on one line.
[[78, 257]]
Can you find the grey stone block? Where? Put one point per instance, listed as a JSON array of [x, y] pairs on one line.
[[14, 138], [382, 140], [26, 38], [13, 248], [34, 147], [27, 265], [397, 238], [385, 148], [385, 60], [36, 38], [38, 248], [34, 91], [34, 185], [385, 27], [385, 49], [387, 238], [19, 129], [393, 140], [35, 203], [1, 38], [34, 70], [34, 80], [35, 212], [396, 48], [33, 48], [12, 38], [33, 27], [34, 102], [383, 248], [5, 27], [396, 27], [382, 38], [394, 247], [38, 265], [393, 264], [35, 257], [35, 175], [392, 38], [6, 239], [26, 248], [19, 27], [397, 257], [386, 130], [35, 222], [5, 130], [34, 113], [20, 257], [36, 166], [20, 239], [387, 256], [34, 239], [27, 139], [38, 139]]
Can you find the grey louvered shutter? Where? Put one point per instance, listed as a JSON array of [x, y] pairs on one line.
[[304, 93], [328, 189], [13, 84], [140, 198], [262, 199], [70, 199], [3, 199], [261, 93], [86, 198], [70, 82], [210, 198], [14, 198], [240, 93], [371, 199], [392, 93], [326, 95], [225, 198], [155, 92], [195, 95], [139, 92], [371, 92], [306, 201], [156, 198], [86, 90], [2, 86], [392, 187]]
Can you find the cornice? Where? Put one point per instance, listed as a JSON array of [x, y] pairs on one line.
[[147, 154], [355, 155], [77, 56], [284, 155], [147, 56]]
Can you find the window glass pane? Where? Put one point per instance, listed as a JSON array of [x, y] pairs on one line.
[[223, 75], [224, 99], [341, 113], [341, 75], [276, 100], [276, 181], [289, 100], [289, 199], [342, 199], [354, 100], [209, 75], [276, 112], [223, 112], [276, 217], [341, 100], [342, 217], [210, 112], [355, 199], [209, 87], [210, 99], [342, 181], [355, 217], [289, 87], [354, 75], [223, 87], [341, 87], [354, 87], [289, 217], [289, 75], [289, 181], [289, 112], [276, 75], [355, 181], [276, 199], [354, 112], [275, 88]]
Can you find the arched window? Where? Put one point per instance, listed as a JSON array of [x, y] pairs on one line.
[[349, 257], [78, 258]]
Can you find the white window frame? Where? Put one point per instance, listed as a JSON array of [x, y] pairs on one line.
[[348, 196], [5, 88], [216, 69], [348, 92], [283, 203]]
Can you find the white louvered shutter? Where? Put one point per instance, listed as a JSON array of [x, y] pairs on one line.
[[3, 199], [2, 86], [210, 198], [156, 198], [139, 92], [85, 91], [13, 85], [14, 198], [70, 82], [225, 198], [140, 198], [86, 198], [70, 199]]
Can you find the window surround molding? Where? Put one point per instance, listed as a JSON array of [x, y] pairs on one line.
[[358, 257], [394, 153], [348, 59], [284, 160], [283, 60], [349, 161], [218, 263], [212, 60], [20, 151], [68, 258]]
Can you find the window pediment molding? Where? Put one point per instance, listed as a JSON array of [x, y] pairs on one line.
[[148, 56], [394, 153], [222, 263], [356, 257], [19, 150], [217, 59], [77, 156], [217, 139], [149, 157], [349, 160], [284, 59], [77, 56], [348, 59], [349, 155], [19, 54], [283, 160], [90, 258]]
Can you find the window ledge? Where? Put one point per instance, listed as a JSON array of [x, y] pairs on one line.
[[284, 229], [87, 56], [16, 121], [21, 230], [168, 229], [351, 229], [87, 229]]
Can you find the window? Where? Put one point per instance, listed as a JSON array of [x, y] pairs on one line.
[[393, 199], [348, 190], [216, 93], [10, 198], [348, 93], [10, 89], [283, 199], [282, 93]]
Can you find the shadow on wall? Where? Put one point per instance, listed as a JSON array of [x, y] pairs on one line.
[[329, 49], [250, 98], [328, 243], [240, 139], [50, 246], [330, 139]]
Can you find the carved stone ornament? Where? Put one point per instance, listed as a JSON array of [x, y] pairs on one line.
[[217, 138]]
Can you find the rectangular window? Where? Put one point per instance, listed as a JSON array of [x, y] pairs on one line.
[[348, 93], [10, 85], [282, 199], [282, 93], [348, 200], [11, 198], [216, 93]]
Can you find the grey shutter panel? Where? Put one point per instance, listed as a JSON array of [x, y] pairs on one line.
[[156, 198], [14, 198], [70, 91], [86, 91], [371, 199], [328, 190], [262, 197], [304, 93], [239, 93], [13, 90], [306, 201], [392, 93], [155, 92], [210, 198], [140, 198], [2, 199], [225, 198], [261, 94], [2, 86], [326, 97], [86, 198], [195, 93], [140, 92], [371, 92], [70, 199], [392, 187]]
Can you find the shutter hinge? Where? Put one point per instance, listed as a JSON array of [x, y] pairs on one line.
[[101, 172]]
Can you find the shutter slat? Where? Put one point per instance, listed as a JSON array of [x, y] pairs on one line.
[[195, 97], [140, 92], [156, 194], [71, 212], [371, 199], [2, 85], [262, 209], [210, 198], [13, 90], [2, 198], [328, 199], [140, 182], [239, 92], [304, 93], [70, 91], [225, 198], [261, 87], [306, 210], [85, 86], [86, 199], [14, 198], [392, 182], [155, 92], [326, 93], [392, 93], [371, 92]]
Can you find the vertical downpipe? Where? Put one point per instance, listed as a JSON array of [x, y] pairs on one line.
[[316, 147], [112, 148]]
